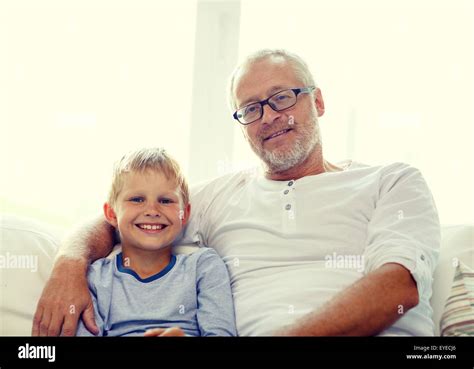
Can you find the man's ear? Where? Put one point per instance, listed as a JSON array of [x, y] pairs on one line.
[[110, 215], [185, 214], [318, 99]]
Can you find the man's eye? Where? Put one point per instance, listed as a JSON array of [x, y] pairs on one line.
[[137, 199], [251, 109], [281, 97]]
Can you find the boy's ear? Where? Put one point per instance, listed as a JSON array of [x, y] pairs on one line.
[[185, 214], [110, 215]]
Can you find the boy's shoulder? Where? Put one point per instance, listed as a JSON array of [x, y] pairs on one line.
[[209, 265], [201, 256], [194, 252], [100, 268], [103, 263]]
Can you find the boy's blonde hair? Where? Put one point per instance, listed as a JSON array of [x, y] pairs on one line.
[[155, 159]]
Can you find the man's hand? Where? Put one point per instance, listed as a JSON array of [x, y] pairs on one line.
[[65, 296], [165, 332]]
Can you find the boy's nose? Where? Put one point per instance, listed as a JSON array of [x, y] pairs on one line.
[[153, 211], [152, 214]]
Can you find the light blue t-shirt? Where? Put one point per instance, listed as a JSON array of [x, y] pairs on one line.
[[192, 292]]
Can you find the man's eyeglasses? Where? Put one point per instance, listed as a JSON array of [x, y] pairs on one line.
[[280, 101]]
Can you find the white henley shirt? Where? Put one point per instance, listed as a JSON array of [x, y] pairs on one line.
[[290, 246]]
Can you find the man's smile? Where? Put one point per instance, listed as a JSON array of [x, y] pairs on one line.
[[277, 134]]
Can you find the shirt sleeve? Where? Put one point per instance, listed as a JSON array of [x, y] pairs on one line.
[[215, 305], [199, 198], [99, 320], [404, 228]]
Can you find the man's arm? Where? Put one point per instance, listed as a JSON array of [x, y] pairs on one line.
[[365, 308], [402, 246], [66, 294], [99, 321]]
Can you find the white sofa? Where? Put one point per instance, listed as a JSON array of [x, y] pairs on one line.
[[20, 288]]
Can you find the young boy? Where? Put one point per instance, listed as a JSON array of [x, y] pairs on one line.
[[146, 288]]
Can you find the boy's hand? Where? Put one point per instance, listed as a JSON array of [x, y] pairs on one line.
[[65, 296], [165, 332]]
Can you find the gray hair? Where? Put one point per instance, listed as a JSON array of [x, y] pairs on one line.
[[300, 68]]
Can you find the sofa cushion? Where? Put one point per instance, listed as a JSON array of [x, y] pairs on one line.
[[458, 315]]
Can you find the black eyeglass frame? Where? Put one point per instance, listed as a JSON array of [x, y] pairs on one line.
[[262, 103]]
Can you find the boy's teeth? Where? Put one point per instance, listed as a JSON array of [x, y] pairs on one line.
[[148, 226]]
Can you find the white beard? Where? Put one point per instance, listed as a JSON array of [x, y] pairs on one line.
[[277, 160], [280, 161]]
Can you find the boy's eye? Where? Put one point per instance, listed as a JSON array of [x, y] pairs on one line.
[[137, 199], [166, 201]]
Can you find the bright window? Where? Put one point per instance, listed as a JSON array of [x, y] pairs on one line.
[[81, 83]]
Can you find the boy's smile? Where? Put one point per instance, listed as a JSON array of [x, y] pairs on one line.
[[151, 228]]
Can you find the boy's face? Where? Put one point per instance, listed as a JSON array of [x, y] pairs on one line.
[[147, 212]]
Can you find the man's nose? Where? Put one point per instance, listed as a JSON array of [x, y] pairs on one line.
[[269, 115]]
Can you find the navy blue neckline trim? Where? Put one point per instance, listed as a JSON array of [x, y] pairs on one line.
[[122, 269]]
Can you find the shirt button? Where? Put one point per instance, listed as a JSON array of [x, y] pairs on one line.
[[422, 257], [286, 192], [290, 183], [288, 207]]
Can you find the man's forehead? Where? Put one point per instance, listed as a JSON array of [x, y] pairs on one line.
[[269, 68], [263, 78]]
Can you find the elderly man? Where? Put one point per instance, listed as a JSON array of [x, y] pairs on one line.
[[312, 248]]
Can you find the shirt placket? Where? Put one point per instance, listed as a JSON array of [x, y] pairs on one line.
[[288, 206]]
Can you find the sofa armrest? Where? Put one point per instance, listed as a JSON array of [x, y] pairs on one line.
[[27, 250], [457, 243]]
